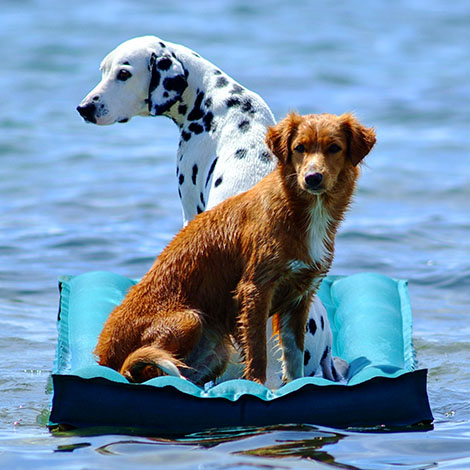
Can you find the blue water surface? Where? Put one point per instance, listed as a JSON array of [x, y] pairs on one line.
[[77, 198]]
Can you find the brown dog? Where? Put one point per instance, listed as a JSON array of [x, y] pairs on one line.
[[259, 253]]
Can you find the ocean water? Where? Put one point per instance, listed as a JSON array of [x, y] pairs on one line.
[[77, 197]]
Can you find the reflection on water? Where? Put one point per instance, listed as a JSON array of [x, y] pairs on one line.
[[243, 441], [72, 447]]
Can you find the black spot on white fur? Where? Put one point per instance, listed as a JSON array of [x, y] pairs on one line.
[[247, 107], [312, 326], [207, 120], [241, 153], [336, 376], [181, 179], [155, 75], [201, 197], [196, 128], [164, 63], [237, 89], [244, 125], [230, 102], [322, 320], [185, 135], [211, 170], [177, 83], [194, 175], [325, 353], [197, 112], [265, 156], [221, 82], [307, 357], [218, 181]]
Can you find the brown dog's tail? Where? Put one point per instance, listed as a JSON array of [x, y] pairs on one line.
[[148, 362]]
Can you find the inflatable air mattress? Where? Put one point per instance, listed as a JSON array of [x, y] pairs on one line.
[[371, 320]]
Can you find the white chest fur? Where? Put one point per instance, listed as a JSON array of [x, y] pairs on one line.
[[318, 234]]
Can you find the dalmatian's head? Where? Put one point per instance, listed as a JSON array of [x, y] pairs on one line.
[[141, 77]]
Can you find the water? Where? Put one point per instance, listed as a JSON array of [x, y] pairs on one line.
[[76, 197]]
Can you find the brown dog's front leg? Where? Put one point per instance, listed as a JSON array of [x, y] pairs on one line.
[[254, 306]]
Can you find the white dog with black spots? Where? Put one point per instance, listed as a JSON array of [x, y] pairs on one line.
[[221, 151]]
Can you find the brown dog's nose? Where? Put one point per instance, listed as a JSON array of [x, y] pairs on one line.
[[87, 112], [313, 180]]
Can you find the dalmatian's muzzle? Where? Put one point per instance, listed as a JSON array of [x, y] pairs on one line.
[[88, 112], [136, 81]]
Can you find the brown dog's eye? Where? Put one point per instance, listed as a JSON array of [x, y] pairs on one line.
[[123, 75], [300, 148], [333, 148]]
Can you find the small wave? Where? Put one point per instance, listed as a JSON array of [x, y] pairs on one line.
[[367, 236], [445, 279]]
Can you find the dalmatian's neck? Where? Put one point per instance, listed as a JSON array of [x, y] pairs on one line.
[[222, 126], [205, 96]]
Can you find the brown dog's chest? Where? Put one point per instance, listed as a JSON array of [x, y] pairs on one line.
[[288, 269], [299, 280]]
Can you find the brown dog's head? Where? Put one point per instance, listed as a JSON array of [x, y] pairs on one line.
[[319, 147]]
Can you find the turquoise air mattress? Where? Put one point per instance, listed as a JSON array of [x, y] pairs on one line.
[[371, 319]]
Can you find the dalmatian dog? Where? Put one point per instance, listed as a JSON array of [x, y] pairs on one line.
[[221, 151]]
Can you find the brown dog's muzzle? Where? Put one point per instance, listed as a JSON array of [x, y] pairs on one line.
[[313, 181]]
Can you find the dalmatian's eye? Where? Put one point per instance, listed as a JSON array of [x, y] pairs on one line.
[[334, 148], [123, 75], [300, 148]]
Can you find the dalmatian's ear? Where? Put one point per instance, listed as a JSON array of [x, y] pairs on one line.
[[167, 83]]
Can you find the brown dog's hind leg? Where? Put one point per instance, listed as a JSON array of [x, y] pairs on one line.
[[171, 338]]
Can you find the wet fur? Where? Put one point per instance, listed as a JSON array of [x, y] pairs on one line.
[[231, 268]]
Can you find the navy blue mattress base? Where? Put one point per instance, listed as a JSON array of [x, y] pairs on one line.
[[392, 402]]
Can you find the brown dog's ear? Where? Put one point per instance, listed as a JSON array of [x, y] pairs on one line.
[[279, 137], [361, 139]]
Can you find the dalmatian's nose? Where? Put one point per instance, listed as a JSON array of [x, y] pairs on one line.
[[87, 112]]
